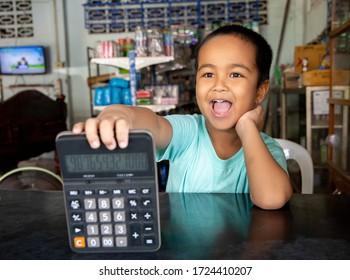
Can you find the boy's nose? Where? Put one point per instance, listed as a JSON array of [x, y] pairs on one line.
[[220, 84]]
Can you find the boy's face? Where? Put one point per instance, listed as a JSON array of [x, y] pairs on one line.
[[226, 81]]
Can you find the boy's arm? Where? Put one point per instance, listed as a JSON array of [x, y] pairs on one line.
[[270, 187], [117, 120]]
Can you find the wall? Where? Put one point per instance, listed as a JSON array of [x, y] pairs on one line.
[[315, 19], [302, 26], [45, 15]]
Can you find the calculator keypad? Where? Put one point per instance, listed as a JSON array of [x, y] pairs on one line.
[[110, 219]]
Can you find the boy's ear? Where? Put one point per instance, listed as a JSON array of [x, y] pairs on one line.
[[262, 91]]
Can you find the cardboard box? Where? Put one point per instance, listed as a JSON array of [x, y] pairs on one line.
[[291, 80], [322, 77], [313, 53]]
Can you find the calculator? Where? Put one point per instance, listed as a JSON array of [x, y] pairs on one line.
[[110, 196]]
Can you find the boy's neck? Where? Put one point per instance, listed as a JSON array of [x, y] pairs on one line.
[[226, 143]]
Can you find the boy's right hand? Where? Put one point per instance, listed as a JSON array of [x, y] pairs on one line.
[[113, 122]]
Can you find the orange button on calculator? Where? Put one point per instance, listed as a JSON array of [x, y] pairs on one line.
[[79, 242]]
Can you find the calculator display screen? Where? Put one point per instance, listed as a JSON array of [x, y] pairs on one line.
[[79, 161], [120, 162]]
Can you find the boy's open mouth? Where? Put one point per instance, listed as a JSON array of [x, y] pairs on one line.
[[220, 107]]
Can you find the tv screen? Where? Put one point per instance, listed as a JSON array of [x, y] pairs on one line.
[[22, 60]]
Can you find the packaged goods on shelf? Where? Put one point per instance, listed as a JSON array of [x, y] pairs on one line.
[[144, 97], [124, 16], [116, 92], [164, 94], [291, 80], [313, 53]]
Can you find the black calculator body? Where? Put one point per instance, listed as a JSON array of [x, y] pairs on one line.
[[111, 197]]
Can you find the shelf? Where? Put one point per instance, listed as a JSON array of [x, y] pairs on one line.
[[29, 86], [155, 108], [337, 101], [140, 62], [337, 31], [319, 126]]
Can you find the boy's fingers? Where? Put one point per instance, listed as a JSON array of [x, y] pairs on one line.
[[78, 127], [107, 133], [91, 130], [122, 131]]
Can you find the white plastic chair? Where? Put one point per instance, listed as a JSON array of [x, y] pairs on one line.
[[298, 153], [30, 178]]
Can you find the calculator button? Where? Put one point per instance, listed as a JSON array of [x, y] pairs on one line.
[[106, 229], [146, 203], [133, 203], [135, 234], [103, 203], [102, 192], [149, 241], [89, 192], [148, 228], [91, 217], [118, 203], [105, 216], [75, 204], [117, 191], [92, 229], [134, 216], [120, 229], [76, 217], [121, 241], [146, 191], [79, 242], [119, 216], [93, 242], [132, 191], [73, 192], [148, 216], [78, 230], [90, 203], [107, 241]]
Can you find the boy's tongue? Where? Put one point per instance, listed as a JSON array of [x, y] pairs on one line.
[[221, 107]]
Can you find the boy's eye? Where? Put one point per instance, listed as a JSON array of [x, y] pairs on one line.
[[235, 75], [208, 75]]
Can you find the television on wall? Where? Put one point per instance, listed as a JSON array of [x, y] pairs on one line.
[[22, 60]]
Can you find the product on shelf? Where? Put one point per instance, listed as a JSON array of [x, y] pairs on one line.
[[140, 41], [116, 92]]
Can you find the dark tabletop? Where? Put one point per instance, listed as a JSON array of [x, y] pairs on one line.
[[193, 226]]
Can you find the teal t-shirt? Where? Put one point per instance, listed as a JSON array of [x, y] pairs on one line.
[[194, 165]]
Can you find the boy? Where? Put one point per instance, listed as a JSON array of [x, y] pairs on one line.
[[221, 150]]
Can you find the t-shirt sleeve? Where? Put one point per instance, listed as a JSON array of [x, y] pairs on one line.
[[184, 130]]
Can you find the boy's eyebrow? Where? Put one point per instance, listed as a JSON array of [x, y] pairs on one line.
[[233, 65], [205, 65]]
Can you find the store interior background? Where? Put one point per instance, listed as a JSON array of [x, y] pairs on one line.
[[59, 26]]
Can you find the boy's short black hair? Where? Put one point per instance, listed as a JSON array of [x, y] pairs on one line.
[[263, 49]]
